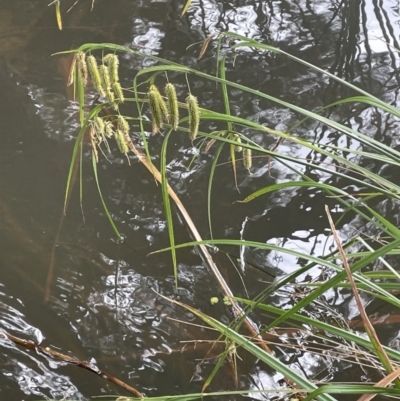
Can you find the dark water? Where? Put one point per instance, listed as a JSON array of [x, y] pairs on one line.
[[126, 330]]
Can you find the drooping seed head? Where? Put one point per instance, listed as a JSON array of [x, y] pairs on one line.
[[99, 125], [92, 143], [123, 124], [105, 77], [128, 140], [112, 61], [94, 132], [163, 105], [172, 102], [238, 147], [95, 75], [71, 75], [82, 67], [107, 58], [121, 141], [118, 92], [194, 116], [109, 129], [113, 64], [106, 84], [156, 101], [247, 158], [112, 101]]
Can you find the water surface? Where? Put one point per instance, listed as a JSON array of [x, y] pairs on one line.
[[126, 329]]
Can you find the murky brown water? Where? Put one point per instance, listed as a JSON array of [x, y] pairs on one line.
[[126, 331]]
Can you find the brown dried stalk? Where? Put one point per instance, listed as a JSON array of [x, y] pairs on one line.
[[49, 352], [381, 383], [369, 328]]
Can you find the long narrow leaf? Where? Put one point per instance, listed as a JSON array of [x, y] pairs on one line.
[[318, 324], [334, 280], [94, 164], [167, 205]]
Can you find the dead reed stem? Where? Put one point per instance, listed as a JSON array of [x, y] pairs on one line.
[[238, 311], [49, 352]]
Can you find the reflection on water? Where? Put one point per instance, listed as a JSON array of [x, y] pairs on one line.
[[103, 307]]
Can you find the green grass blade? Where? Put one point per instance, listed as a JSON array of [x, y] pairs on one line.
[[255, 44], [94, 164], [337, 331], [351, 389], [167, 204], [225, 98], [210, 182], [292, 184], [324, 120], [215, 370], [334, 280], [74, 156]]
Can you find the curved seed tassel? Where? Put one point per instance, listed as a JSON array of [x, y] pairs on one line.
[[82, 67], [118, 92], [128, 141], [173, 109], [157, 105], [105, 77], [194, 116], [113, 65], [247, 158], [71, 75], [93, 144], [95, 75], [123, 124], [121, 141], [163, 106], [106, 84], [109, 129], [99, 125], [238, 147]]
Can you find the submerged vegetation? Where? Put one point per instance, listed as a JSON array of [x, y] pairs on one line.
[[359, 262]]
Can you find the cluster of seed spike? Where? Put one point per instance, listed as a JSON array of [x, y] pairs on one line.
[[100, 130], [105, 77], [168, 111]]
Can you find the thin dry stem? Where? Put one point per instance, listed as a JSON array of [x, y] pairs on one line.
[[369, 328], [49, 352]]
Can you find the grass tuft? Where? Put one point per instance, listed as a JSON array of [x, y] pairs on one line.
[[362, 254]]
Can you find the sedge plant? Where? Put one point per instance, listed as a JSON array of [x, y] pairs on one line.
[[346, 265]]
